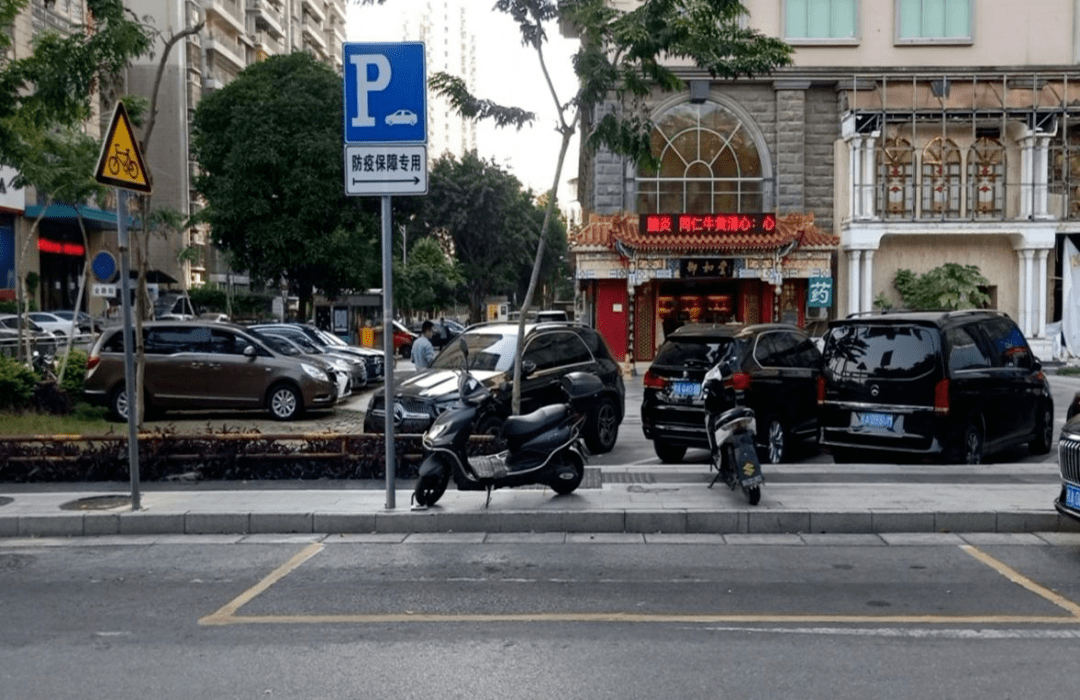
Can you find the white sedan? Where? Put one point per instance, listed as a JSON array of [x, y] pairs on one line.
[[52, 322]]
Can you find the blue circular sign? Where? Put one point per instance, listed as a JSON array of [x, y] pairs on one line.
[[104, 267]]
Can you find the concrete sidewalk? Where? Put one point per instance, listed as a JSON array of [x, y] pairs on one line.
[[797, 498]]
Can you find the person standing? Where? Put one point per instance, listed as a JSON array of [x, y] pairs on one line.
[[423, 352]]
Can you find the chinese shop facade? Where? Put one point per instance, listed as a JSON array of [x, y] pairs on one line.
[[641, 277]]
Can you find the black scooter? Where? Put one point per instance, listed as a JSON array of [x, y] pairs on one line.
[[731, 429], [543, 447]]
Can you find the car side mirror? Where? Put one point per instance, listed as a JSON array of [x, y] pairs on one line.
[[527, 367], [249, 351]]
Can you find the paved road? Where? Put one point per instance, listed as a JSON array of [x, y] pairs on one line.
[[543, 615]]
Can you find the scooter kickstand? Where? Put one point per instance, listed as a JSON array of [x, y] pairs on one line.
[[488, 501]]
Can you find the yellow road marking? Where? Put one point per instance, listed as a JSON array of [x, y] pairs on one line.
[[227, 613], [1021, 580]]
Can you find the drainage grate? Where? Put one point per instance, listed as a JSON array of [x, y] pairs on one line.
[[629, 478], [97, 503]]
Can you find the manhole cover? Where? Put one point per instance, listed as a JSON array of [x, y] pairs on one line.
[[97, 503], [4, 500]]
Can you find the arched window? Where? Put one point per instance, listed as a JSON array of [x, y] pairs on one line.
[[896, 160], [941, 180], [709, 162], [986, 179]]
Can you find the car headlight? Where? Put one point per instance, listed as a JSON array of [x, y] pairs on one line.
[[314, 372], [342, 365]]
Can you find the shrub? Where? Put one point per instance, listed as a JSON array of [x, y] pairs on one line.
[[17, 384], [74, 373]]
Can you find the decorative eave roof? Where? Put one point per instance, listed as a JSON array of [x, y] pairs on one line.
[[621, 233]]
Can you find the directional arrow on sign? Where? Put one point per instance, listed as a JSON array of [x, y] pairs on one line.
[[357, 181]]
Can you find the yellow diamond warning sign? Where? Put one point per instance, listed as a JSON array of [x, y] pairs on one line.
[[121, 163]]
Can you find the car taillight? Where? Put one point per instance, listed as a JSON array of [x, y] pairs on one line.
[[820, 390], [654, 381], [740, 381], [941, 397], [92, 362]]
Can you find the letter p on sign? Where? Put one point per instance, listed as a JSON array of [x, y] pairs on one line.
[[366, 84]]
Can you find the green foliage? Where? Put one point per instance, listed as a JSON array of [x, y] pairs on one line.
[[429, 282], [244, 306], [74, 378], [269, 151], [951, 286], [17, 382]]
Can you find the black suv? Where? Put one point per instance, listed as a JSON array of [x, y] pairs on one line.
[[552, 350], [770, 367], [947, 385]]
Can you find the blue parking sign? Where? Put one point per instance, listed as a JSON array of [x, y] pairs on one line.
[[385, 92]]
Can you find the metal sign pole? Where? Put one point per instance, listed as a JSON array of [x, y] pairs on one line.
[[388, 348], [129, 350]]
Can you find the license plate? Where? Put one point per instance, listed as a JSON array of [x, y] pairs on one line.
[[876, 420], [689, 389], [1072, 496]]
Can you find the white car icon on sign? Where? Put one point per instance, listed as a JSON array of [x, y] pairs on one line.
[[402, 116]]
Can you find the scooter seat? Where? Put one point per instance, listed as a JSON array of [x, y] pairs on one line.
[[531, 423]]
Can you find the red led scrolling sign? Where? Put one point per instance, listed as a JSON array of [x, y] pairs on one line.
[[59, 248], [707, 223]]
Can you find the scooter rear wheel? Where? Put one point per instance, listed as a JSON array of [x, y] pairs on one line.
[[430, 488]]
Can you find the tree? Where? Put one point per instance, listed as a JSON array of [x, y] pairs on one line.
[[624, 55], [268, 146], [430, 280], [951, 286], [493, 222]]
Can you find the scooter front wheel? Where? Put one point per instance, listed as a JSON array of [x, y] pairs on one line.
[[568, 476], [753, 494], [430, 488]]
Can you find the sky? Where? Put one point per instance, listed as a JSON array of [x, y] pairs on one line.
[[509, 74]]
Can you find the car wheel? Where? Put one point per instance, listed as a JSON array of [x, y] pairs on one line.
[[1044, 430], [285, 402], [603, 427], [118, 403], [406, 351], [669, 454], [775, 441]]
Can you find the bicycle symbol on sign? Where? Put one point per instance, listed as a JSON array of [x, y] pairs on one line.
[[123, 157]]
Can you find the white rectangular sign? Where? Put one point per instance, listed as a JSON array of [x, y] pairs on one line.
[[10, 197], [103, 290], [385, 169]]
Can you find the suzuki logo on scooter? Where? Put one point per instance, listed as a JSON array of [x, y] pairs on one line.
[[874, 390]]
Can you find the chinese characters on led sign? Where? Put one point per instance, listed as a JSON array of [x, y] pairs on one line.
[[708, 223], [59, 248]]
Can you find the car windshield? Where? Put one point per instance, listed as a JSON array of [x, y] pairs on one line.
[[693, 352], [886, 351], [487, 351], [277, 343], [329, 338]]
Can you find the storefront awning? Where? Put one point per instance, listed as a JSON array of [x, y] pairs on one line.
[[97, 219]]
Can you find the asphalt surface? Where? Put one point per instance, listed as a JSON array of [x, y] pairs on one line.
[[816, 498]]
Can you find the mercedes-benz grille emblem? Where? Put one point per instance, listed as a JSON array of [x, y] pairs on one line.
[[399, 414]]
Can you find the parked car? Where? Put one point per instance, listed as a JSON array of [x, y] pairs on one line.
[[772, 368], [403, 339], [1068, 500], [42, 340], [200, 364], [84, 322], [313, 345], [443, 331], [57, 325], [175, 307], [338, 369], [552, 350], [372, 357], [949, 385]]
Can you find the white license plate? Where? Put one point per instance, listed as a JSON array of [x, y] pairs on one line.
[[1072, 496], [876, 420], [688, 389]]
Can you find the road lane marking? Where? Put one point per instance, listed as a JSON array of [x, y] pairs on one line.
[[1021, 580], [228, 612]]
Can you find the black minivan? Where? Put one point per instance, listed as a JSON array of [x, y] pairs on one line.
[[947, 386]]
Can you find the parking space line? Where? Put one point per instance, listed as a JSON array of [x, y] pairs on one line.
[[227, 614], [1021, 580]]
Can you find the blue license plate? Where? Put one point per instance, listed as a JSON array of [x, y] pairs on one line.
[[876, 420], [686, 389], [1072, 496]]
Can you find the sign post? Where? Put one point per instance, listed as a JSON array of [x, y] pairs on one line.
[[386, 154], [121, 165]]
